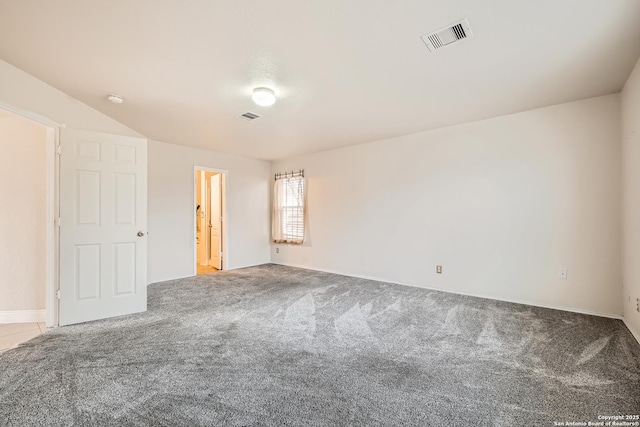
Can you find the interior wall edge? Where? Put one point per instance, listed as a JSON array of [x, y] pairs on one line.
[[635, 333], [236, 267], [630, 141], [615, 316]]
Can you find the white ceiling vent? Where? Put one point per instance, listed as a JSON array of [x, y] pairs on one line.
[[448, 35], [249, 116]]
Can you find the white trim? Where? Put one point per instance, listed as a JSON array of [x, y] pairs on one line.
[[51, 240], [635, 334], [22, 316], [31, 116], [225, 237], [514, 301]]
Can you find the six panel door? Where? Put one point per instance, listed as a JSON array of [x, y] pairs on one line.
[[103, 216]]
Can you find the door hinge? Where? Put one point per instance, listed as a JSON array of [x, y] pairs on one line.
[[58, 150], [58, 294], [57, 222]]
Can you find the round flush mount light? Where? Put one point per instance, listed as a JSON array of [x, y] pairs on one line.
[[263, 96], [116, 99]]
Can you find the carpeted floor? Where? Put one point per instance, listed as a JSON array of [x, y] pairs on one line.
[[278, 346]]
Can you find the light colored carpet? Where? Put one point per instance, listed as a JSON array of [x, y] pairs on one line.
[[274, 345]]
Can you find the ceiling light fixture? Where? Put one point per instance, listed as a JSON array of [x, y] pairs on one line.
[[116, 99], [263, 96]]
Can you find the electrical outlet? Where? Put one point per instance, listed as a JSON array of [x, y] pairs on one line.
[[277, 250], [562, 273], [439, 269]]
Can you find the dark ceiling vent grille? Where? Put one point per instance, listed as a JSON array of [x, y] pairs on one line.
[[249, 116], [448, 35]]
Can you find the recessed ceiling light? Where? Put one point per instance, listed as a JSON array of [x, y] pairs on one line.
[[116, 99], [263, 96]]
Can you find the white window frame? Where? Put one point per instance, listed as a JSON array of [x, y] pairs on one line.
[[289, 208]]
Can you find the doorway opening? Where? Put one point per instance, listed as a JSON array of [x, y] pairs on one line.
[[29, 249], [210, 220]]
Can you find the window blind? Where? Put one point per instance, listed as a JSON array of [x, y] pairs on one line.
[[289, 207]]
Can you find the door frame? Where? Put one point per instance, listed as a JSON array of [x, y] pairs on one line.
[[223, 196], [52, 203], [219, 178]]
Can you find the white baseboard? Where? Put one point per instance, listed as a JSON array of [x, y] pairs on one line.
[[515, 301], [23, 316], [635, 334]]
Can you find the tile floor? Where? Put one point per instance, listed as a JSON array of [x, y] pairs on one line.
[[12, 334], [205, 269]]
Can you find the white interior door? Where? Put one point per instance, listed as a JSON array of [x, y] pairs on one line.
[[215, 224], [103, 220]]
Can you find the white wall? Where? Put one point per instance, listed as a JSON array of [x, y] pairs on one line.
[[630, 100], [502, 204], [22, 214], [171, 205]]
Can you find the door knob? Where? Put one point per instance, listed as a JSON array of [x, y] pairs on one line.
[[140, 234]]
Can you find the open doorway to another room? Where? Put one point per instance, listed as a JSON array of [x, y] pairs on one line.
[[210, 206], [28, 254]]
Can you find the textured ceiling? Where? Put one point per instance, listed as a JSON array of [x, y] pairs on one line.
[[345, 72]]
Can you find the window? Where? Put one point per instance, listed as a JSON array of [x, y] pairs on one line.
[[288, 208]]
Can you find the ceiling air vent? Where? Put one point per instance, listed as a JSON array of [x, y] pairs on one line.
[[249, 116], [448, 35]]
